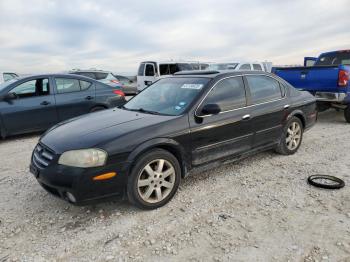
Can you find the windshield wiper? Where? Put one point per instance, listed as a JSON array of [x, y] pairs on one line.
[[142, 110], [148, 111]]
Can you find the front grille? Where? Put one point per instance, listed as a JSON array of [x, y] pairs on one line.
[[42, 156]]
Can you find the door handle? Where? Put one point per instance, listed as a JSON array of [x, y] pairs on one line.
[[89, 98], [286, 107], [45, 103], [246, 117]]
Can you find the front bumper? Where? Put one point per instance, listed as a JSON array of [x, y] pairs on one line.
[[64, 181]]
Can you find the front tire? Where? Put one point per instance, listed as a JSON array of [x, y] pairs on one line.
[[154, 179], [347, 114], [291, 137]]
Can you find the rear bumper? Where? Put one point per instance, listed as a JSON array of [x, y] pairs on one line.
[[311, 121], [331, 97]]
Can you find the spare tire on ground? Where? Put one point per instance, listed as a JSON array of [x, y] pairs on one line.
[[325, 181]]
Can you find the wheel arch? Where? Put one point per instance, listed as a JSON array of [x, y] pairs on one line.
[[167, 144], [299, 114]]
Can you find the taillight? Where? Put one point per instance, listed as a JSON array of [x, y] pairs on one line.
[[115, 82], [343, 78], [119, 92]]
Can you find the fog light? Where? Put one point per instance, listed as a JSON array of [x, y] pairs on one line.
[[71, 197]]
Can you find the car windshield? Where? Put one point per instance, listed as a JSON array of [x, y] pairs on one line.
[[168, 96], [7, 83], [336, 58], [226, 66]]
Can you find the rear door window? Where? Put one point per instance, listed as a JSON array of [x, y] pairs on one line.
[[257, 67], [228, 94], [67, 85], [263, 88], [164, 69], [334, 58], [84, 85], [101, 75], [35, 87], [245, 67], [87, 74]]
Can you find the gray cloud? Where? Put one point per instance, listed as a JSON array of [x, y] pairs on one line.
[[52, 35]]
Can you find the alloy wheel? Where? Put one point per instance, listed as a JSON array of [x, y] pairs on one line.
[[156, 181], [293, 136]]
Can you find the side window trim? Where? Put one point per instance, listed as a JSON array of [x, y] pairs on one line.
[[267, 101], [50, 91], [246, 64], [248, 95]]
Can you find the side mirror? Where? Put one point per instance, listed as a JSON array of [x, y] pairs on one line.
[[211, 109], [10, 96]]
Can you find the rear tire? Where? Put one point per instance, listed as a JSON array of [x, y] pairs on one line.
[[97, 108], [347, 114], [154, 179], [291, 138]]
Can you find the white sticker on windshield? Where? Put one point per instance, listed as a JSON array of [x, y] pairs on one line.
[[192, 86]]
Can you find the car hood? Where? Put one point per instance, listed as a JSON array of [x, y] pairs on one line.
[[94, 129]]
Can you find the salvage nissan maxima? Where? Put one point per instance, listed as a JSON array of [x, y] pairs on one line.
[[178, 124]]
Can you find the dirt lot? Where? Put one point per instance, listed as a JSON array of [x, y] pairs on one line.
[[260, 209]]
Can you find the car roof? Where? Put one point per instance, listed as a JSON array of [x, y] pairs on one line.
[[217, 73], [174, 62], [56, 75], [90, 71]]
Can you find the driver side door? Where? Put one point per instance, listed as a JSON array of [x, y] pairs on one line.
[[229, 133], [32, 110]]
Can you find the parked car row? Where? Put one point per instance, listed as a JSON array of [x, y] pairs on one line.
[[36, 103], [121, 82], [150, 71], [257, 66]]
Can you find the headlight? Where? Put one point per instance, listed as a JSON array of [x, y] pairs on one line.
[[83, 158]]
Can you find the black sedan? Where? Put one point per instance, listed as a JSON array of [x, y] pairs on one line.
[[178, 124], [36, 103]]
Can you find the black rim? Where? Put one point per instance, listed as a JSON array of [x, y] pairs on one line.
[[316, 180]]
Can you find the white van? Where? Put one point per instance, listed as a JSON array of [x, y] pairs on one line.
[[150, 71], [258, 66]]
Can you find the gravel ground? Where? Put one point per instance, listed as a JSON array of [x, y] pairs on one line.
[[259, 209]]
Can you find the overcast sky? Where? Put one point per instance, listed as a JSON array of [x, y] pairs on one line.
[[49, 35]]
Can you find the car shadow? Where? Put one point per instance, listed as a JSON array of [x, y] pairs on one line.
[[331, 116], [21, 137]]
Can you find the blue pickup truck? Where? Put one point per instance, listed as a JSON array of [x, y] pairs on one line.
[[326, 77]]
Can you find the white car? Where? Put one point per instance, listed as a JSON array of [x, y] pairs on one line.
[[6, 76], [150, 71], [257, 66]]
